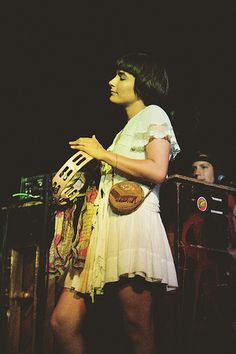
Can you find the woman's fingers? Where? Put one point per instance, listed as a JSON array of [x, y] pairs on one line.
[[79, 143], [89, 145]]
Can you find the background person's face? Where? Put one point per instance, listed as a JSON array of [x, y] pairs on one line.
[[203, 171]]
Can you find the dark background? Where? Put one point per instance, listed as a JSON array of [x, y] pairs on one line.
[[56, 61]]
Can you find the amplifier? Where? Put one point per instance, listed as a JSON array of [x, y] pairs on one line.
[[33, 188]]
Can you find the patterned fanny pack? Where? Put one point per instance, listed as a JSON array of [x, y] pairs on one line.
[[126, 197]]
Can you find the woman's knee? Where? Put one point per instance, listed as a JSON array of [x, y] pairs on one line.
[[68, 315], [57, 322]]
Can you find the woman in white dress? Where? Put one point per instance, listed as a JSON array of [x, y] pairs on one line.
[[125, 250]]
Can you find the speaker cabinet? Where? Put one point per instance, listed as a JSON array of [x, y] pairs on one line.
[[200, 222]]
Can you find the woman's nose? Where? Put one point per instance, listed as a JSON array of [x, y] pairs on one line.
[[112, 82]]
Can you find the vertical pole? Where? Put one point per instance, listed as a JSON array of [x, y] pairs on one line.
[[42, 259], [3, 284]]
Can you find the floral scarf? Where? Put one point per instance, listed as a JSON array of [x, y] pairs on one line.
[[69, 246]]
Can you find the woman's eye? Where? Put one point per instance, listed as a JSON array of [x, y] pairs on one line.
[[122, 75]]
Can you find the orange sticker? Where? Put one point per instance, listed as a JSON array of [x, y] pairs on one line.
[[202, 204]]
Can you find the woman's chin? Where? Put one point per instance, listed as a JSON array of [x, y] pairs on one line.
[[113, 99]]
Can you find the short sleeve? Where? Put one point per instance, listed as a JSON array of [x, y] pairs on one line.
[[150, 123], [164, 130]]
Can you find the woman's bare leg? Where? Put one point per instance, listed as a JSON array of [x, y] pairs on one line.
[[67, 321], [137, 314]]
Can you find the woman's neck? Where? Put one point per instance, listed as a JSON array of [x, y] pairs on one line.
[[135, 108]]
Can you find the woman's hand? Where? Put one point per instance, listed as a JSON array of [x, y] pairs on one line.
[[89, 145]]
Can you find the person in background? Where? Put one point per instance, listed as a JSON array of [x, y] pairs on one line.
[[205, 168], [128, 253]]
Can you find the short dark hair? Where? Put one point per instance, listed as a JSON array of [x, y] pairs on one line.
[[204, 156], [151, 79], [208, 157]]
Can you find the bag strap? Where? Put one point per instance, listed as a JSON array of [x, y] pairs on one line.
[[149, 185]]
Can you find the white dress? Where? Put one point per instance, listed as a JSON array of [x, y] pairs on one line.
[[134, 244]]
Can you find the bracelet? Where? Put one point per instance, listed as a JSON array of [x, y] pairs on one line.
[[116, 160]]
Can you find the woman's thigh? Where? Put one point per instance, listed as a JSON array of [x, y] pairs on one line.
[[135, 298], [70, 310]]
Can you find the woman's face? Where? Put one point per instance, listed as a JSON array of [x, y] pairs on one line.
[[203, 171], [122, 89]]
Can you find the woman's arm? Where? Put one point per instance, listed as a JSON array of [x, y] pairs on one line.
[[154, 168]]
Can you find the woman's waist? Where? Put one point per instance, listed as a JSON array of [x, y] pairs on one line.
[[150, 190], [109, 179]]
